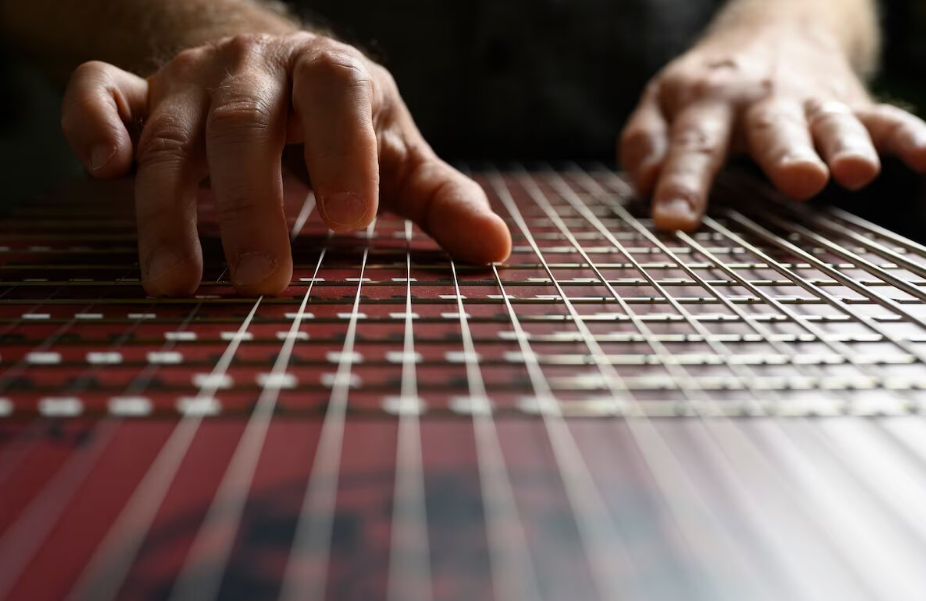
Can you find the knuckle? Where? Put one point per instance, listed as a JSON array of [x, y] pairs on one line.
[[89, 70], [244, 45], [164, 141], [239, 115], [187, 63], [341, 66], [695, 140], [238, 204]]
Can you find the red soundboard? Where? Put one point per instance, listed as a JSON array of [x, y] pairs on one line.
[[613, 413]]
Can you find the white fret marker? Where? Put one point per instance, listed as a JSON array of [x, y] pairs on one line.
[[109, 358], [450, 296], [295, 315], [404, 279], [165, 358], [199, 406], [294, 335], [403, 316], [454, 315], [36, 316], [6, 407], [43, 358], [130, 406], [239, 336], [348, 315], [470, 405], [404, 405], [60, 407], [402, 357], [311, 279], [88, 315], [337, 357], [142, 316], [286, 381], [331, 380], [216, 381], [180, 336], [461, 357]]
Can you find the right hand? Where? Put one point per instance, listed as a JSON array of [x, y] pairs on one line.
[[226, 111]]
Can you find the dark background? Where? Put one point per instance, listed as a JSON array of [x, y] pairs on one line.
[[513, 79]]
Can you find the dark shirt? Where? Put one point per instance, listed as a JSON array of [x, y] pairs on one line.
[[519, 78]]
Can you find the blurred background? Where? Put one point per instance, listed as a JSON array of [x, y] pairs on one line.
[[520, 79]]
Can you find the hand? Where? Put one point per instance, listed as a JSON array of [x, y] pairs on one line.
[[226, 111], [794, 104]]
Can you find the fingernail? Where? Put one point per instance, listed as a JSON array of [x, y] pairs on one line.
[[162, 261], [100, 156], [678, 207], [344, 209], [253, 268]]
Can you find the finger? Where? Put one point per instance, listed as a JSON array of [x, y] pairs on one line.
[[99, 101], [170, 167], [698, 147], [844, 144], [644, 142], [245, 135], [897, 132], [779, 140], [333, 97], [452, 209]]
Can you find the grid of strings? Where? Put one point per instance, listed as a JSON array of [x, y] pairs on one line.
[[768, 300], [592, 316]]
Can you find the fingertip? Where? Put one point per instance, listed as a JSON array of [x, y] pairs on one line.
[[168, 273], [675, 214], [257, 273], [109, 159], [468, 229], [801, 178], [347, 211], [855, 170]]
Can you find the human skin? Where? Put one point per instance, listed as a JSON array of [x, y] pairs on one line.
[[241, 83], [781, 81], [221, 86]]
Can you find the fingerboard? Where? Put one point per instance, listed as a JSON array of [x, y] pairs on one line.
[[613, 413]]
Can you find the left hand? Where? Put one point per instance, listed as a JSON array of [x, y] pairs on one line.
[[793, 104]]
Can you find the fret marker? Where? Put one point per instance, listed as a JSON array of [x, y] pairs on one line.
[[6, 407], [109, 358], [215, 381], [294, 335], [165, 358], [39, 358], [130, 406], [281, 381], [404, 405], [60, 407], [239, 336], [180, 336], [199, 406]]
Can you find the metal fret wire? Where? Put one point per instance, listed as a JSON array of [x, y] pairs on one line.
[[316, 520], [107, 570], [848, 281], [600, 539], [409, 551], [24, 537], [718, 434], [840, 528], [831, 225], [770, 487], [513, 575], [695, 394], [663, 465], [112, 561]]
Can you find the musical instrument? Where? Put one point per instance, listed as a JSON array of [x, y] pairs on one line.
[[611, 414]]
